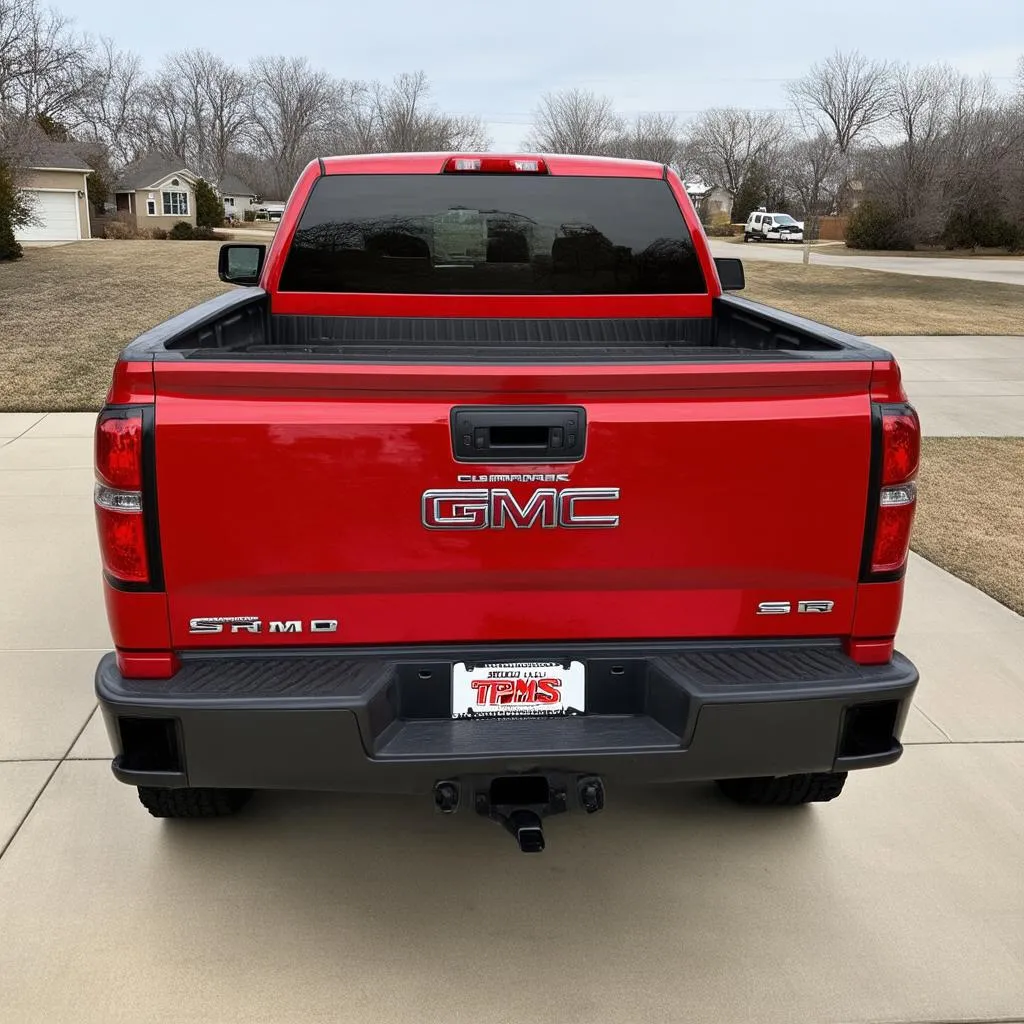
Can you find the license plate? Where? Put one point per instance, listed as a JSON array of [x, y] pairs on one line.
[[513, 689]]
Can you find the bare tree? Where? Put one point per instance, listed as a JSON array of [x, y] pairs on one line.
[[200, 107], [406, 122], [223, 94], [913, 168], [44, 63], [171, 127], [291, 108], [650, 137], [354, 122], [574, 121], [722, 143], [111, 111], [974, 141], [15, 16], [845, 95], [812, 170], [982, 151]]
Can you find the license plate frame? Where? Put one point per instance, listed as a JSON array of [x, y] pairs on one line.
[[518, 689]]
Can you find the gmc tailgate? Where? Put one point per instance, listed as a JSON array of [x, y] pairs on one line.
[[708, 498]]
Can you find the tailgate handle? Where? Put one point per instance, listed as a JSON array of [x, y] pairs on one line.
[[519, 433]]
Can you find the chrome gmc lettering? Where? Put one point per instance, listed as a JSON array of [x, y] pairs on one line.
[[496, 508], [254, 624]]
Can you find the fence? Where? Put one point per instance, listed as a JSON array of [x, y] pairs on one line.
[[832, 229], [98, 222]]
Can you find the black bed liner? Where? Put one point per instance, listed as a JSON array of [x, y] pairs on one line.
[[239, 326]]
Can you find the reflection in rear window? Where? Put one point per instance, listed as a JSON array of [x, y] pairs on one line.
[[498, 234]]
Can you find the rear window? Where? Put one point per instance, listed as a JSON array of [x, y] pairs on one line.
[[492, 234]]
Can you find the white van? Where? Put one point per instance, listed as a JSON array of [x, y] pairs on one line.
[[772, 227]]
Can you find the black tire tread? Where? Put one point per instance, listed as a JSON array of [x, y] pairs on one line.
[[200, 802], [787, 791]]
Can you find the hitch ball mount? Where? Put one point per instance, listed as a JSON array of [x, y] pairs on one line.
[[521, 802]]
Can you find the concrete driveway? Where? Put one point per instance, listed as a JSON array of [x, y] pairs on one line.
[[964, 385], [904, 900], [1004, 271]]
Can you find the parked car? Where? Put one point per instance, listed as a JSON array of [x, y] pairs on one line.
[[270, 211], [482, 485], [772, 227]]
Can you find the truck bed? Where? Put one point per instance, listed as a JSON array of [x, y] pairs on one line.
[[240, 326]]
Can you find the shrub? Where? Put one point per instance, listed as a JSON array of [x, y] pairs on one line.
[[120, 229], [986, 227], [722, 230], [99, 191], [182, 231], [204, 234], [248, 216], [873, 225], [209, 208], [14, 211], [158, 233]]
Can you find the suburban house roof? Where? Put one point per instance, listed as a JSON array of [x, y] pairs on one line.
[[150, 170], [50, 154], [232, 185], [702, 188]]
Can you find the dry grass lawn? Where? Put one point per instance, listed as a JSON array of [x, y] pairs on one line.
[[876, 302], [66, 311], [970, 516], [937, 253]]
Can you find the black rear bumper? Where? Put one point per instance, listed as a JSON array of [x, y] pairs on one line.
[[379, 721]]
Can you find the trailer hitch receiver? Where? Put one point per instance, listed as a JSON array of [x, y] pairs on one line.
[[520, 802]]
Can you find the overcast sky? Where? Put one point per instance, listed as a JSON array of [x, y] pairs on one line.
[[494, 58]]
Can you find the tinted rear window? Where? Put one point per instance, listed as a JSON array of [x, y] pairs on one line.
[[492, 234]]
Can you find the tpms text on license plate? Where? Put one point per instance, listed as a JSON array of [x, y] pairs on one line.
[[518, 688]]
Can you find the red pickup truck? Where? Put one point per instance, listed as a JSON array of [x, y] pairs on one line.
[[481, 486]]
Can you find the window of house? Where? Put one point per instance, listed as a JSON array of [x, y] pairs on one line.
[[175, 204], [151, 207], [229, 200]]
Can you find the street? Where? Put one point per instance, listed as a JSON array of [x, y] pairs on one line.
[[1009, 270]]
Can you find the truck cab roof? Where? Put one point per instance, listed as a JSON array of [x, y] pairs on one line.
[[434, 163]]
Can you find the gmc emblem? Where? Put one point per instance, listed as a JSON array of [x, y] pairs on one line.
[[496, 508]]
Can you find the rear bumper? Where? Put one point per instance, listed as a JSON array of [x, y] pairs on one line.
[[378, 721]]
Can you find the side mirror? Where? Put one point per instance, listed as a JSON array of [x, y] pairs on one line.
[[730, 273], [241, 264]]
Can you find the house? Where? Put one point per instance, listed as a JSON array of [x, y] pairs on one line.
[[55, 182], [237, 196], [157, 192], [712, 202]]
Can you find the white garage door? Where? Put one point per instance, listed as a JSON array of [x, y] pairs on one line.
[[56, 216]]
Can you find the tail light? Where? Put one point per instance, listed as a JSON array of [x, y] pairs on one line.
[[894, 494], [120, 515], [495, 165]]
